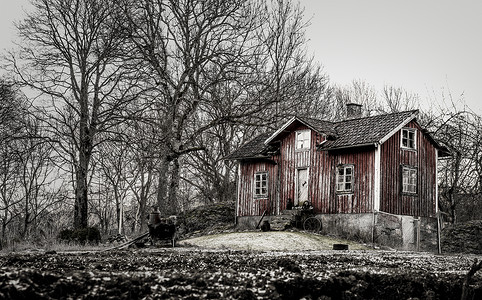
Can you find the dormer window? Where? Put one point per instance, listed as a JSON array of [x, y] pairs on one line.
[[409, 137], [303, 140]]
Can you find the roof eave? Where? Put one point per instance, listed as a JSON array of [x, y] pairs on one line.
[[374, 144], [399, 127], [287, 124]]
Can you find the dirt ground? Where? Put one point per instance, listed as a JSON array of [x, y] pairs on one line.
[[269, 241], [190, 272]]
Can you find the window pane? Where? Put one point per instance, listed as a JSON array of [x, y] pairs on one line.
[[348, 186]]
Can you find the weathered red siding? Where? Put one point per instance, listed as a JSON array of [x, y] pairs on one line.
[[248, 204], [325, 198], [321, 191], [322, 167], [393, 157]]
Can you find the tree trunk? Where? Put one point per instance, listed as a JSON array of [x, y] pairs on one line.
[[162, 202], [174, 187], [81, 188]]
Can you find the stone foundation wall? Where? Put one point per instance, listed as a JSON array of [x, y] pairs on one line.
[[394, 231]]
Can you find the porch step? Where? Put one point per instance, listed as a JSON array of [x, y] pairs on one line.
[[283, 221]]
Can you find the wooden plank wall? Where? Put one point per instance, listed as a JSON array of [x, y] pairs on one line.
[[248, 204], [392, 160], [325, 198]]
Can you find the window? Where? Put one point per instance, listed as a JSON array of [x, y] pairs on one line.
[[409, 180], [303, 139], [409, 138], [261, 184], [344, 178]]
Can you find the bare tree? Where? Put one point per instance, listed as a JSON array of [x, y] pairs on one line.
[[398, 99], [186, 47], [72, 52]]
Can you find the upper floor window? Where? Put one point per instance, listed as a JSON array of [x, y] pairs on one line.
[[261, 184], [344, 178], [409, 180], [303, 139], [409, 137]]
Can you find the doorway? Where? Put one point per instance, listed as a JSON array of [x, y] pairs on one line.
[[301, 186]]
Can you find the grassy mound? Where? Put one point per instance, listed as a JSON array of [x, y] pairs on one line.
[[207, 219], [463, 238]]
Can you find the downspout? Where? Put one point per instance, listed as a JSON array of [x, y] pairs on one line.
[[238, 189], [437, 211], [376, 196], [278, 190]]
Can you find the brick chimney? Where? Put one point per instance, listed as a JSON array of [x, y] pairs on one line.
[[353, 111]]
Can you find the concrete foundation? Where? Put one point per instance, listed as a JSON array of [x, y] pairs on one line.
[[382, 229]]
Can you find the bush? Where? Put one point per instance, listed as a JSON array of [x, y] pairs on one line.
[[463, 238], [89, 235]]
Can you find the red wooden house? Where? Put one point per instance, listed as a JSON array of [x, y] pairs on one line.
[[373, 178]]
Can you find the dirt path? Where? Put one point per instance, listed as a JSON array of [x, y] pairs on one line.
[[268, 241]]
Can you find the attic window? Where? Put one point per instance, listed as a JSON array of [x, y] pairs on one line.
[[409, 137], [303, 139], [344, 178], [261, 184]]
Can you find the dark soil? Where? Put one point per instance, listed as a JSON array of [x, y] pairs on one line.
[[188, 273]]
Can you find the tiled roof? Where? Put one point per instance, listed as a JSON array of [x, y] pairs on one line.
[[252, 149], [366, 131], [325, 127], [343, 134]]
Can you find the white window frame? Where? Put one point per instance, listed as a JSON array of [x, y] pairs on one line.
[[261, 184], [408, 138], [303, 140], [345, 178], [409, 180]]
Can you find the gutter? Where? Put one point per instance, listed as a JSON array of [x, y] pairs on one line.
[[374, 144]]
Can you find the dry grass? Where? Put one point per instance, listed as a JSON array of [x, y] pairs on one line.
[[269, 241]]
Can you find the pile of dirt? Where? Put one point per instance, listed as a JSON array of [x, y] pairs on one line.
[[207, 219], [463, 238]]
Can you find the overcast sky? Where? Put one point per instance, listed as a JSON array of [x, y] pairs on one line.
[[424, 46]]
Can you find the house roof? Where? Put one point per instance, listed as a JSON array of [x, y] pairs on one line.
[[349, 133], [255, 148], [369, 130]]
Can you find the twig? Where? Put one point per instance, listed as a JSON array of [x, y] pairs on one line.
[[476, 266]]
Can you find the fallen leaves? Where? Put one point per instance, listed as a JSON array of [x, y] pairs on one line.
[[190, 273]]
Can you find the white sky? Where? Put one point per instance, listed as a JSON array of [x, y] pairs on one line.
[[423, 46]]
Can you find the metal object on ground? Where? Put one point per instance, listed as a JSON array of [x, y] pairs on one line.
[[340, 247], [161, 228]]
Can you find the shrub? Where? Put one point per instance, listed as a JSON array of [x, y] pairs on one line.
[[89, 235]]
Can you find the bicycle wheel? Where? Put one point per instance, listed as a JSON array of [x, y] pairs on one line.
[[312, 224]]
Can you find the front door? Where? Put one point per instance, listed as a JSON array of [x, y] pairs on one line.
[[301, 186]]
